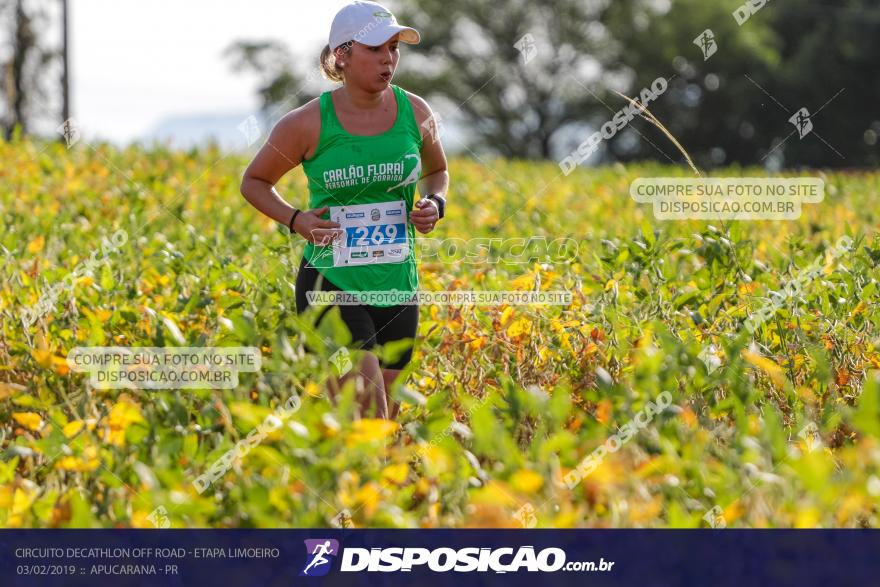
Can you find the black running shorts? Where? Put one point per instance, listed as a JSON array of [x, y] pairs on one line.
[[369, 325]]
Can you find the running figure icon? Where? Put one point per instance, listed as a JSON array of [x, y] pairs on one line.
[[320, 551]]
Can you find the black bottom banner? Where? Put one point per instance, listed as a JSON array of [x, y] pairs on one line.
[[269, 558]]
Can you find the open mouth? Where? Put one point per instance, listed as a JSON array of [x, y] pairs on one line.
[[385, 76]]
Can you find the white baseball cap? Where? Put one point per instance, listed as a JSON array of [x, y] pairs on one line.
[[369, 23]]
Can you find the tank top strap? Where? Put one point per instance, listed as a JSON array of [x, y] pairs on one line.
[[329, 123], [407, 116]]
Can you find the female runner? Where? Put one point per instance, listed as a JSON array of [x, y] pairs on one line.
[[364, 148]]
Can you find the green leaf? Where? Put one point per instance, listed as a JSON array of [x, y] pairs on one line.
[[683, 299], [332, 328], [7, 470], [80, 511], [648, 233], [107, 281], [43, 506], [867, 416]]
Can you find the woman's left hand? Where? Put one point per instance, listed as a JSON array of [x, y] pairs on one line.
[[425, 216]]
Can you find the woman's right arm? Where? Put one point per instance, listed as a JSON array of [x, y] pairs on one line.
[[285, 149]]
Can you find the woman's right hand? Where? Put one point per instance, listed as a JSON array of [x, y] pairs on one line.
[[313, 228]]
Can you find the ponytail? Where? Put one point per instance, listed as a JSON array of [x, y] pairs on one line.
[[329, 68]]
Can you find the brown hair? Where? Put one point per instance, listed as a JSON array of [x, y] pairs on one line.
[[329, 68]]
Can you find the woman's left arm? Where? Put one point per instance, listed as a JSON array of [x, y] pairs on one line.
[[435, 177]]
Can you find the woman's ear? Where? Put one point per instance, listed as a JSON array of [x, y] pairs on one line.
[[343, 50], [340, 53]]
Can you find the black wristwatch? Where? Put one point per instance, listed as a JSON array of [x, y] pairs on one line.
[[440, 201]]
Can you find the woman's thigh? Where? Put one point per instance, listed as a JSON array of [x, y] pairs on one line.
[[356, 317], [393, 324]]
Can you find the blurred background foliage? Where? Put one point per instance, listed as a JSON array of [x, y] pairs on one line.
[[500, 403], [732, 108]]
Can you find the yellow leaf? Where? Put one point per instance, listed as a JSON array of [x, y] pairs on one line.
[[526, 281], [368, 497], [477, 343], [72, 428], [88, 462], [603, 411], [520, 327], [489, 515], [547, 277], [427, 383], [5, 497], [396, 473], [124, 414], [689, 417], [371, 430], [435, 459], [544, 355], [141, 519], [526, 481], [29, 420], [494, 493], [22, 500], [858, 309], [36, 245], [772, 370], [103, 315], [850, 506], [733, 512], [121, 416], [506, 314], [60, 365], [313, 389], [42, 357], [645, 512]]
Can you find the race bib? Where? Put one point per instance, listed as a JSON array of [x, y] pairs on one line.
[[372, 233]]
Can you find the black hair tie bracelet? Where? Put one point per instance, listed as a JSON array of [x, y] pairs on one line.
[[292, 219]]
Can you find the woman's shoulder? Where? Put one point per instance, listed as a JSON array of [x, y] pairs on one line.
[[420, 108], [302, 125], [304, 118]]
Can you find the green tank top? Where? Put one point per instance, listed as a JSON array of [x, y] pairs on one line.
[[349, 170]]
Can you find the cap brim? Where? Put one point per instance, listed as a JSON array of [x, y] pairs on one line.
[[378, 37]]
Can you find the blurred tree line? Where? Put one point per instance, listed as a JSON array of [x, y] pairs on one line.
[[730, 108], [528, 80]]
